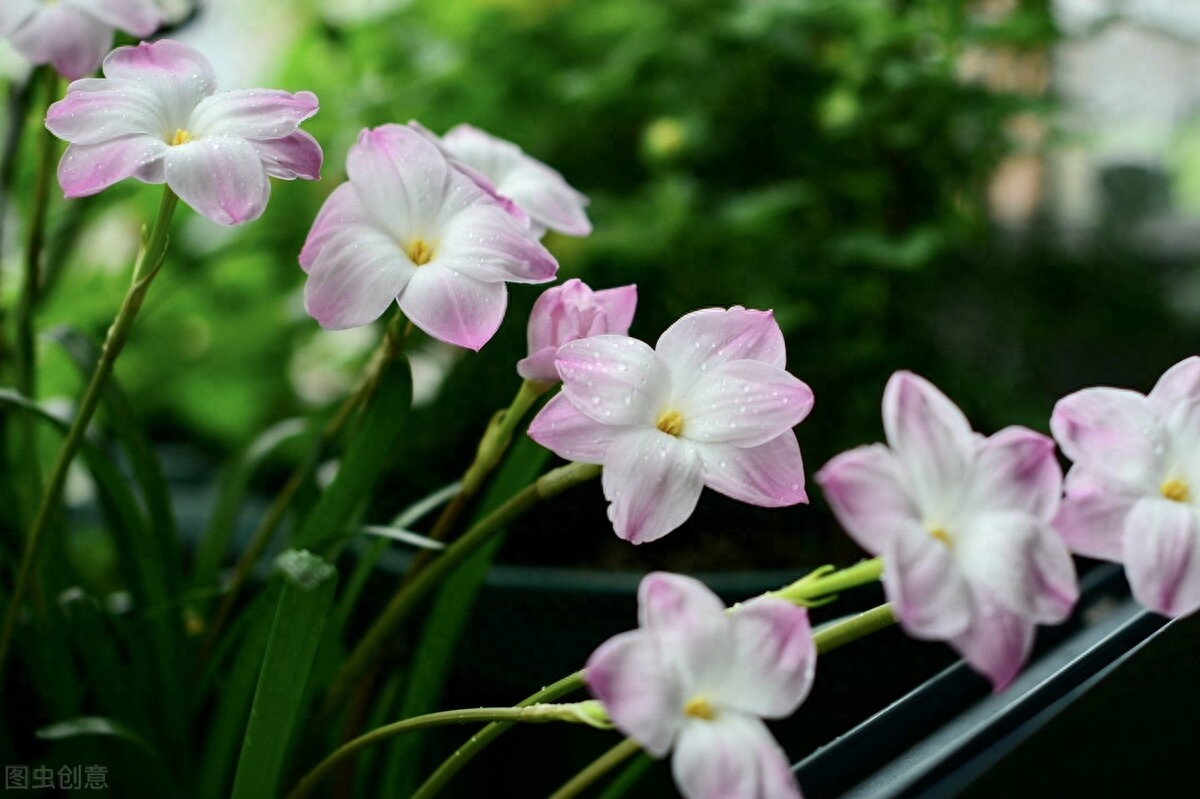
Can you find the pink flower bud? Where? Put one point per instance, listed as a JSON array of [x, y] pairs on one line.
[[569, 312]]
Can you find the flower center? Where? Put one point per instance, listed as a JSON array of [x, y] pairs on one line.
[[941, 535], [1174, 490], [419, 252], [181, 137], [699, 708], [670, 422]]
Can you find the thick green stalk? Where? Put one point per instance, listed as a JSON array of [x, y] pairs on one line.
[[410, 595], [148, 265], [598, 768]]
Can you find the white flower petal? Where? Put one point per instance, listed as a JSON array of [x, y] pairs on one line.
[[652, 482], [732, 756], [746, 403], [354, 278], [615, 380], [773, 659], [930, 597], [221, 178], [770, 475], [703, 340]]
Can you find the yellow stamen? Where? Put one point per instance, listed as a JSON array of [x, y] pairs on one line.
[[670, 422], [181, 137], [698, 708], [1174, 490], [942, 535], [419, 252]]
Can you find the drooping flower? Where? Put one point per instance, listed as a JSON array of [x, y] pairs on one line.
[[156, 116], [73, 35], [710, 405], [964, 526], [697, 680], [538, 191], [569, 312], [1133, 491], [410, 228]]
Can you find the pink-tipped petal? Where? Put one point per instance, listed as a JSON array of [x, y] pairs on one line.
[[487, 244], [87, 169], [770, 475], [1091, 519], [539, 366], [343, 209], [262, 114], [177, 72], [97, 110], [1162, 556], [746, 403], [404, 180], [652, 482], [996, 644], [929, 435], [731, 756], [548, 200], [223, 179], [356, 276], [614, 379], [295, 156], [453, 307], [690, 620], [703, 340], [136, 17], [865, 489], [561, 428], [1115, 432], [930, 597], [641, 693], [70, 40], [1016, 469], [1179, 384], [776, 658], [619, 305]]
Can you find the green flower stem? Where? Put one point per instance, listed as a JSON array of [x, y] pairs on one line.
[[577, 713], [149, 262], [19, 98], [480, 740], [410, 595], [824, 582], [599, 767]]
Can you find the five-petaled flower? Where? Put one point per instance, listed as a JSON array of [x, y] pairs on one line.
[[1133, 493], [156, 116], [710, 405], [410, 228], [569, 312], [73, 35], [698, 680], [963, 524]]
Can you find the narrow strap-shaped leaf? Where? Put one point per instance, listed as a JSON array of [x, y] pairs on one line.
[[119, 695], [97, 726], [307, 595], [368, 453]]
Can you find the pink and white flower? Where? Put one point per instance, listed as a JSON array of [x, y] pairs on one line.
[[1133, 493], [539, 192], [964, 526], [710, 405], [156, 116], [569, 312], [697, 680], [410, 228], [73, 35]]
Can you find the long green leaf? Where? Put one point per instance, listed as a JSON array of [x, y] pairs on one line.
[[117, 695], [308, 586], [149, 760]]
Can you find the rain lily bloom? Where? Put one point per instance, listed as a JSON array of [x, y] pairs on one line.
[[156, 116], [73, 35], [710, 405], [541, 193], [964, 526], [410, 228], [569, 312], [697, 680], [1133, 492]]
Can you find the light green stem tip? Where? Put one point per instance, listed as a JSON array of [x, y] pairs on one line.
[[303, 569]]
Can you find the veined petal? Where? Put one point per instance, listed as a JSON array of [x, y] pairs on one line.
[[404, 180], [770, 475], [997, 643], [864, 488], [640, 692], [262, 114], [733, 755], [570, 434], [295, 156], [1016, 469], [614, 379], [931, 439], [703, 340], [652, 482], [87, 169], [221, 178], [930, 596], [1091, 519], [1162, 556], [137, 17], [745, 403], [354, 278], [99, 110], [1115, 432], [485, 242], [774, 659], [342, 210], [72, 41], [174, 72], [1180, 383], [453, 307]]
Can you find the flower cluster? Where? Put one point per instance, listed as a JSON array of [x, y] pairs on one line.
[[73, 35]]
